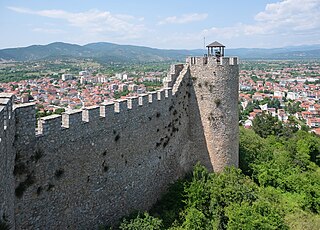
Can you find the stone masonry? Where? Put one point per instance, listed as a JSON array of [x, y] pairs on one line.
[[95, 165]]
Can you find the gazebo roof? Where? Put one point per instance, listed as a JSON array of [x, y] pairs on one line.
[[215, 44]]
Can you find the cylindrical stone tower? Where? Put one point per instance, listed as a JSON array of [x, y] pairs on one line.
[[214, 112]]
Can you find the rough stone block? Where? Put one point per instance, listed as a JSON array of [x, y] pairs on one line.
[[143, 99], [1, 121], [153, 97], [109, 110], [160, 94], [224, 61], [168, 93], [72, 119], [133, 102], [50, 124], [120, 105], [91, 113]]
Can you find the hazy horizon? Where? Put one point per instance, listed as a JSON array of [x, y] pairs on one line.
[[303, 45]]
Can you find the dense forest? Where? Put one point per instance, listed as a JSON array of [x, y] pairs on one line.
[[277, 186]]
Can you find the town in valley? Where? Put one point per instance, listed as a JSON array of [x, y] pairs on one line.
[[286, 89]]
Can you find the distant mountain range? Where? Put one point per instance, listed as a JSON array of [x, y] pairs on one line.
[[109, 52], [290, 52], [102, 51]]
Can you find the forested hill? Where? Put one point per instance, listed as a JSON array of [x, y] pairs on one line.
[[103, 52], [109, 52]]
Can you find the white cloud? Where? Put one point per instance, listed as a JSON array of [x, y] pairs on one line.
[[19, 10], [286, 19], [186, 18], [94, 21], [291, 15]]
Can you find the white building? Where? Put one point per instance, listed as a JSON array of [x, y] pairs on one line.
[[133, 87], [66, 77], [84, 73], [292, 96], [125, 77], [278, 94], [119, 76]]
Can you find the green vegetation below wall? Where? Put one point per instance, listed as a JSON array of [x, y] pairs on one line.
[[276, 187]]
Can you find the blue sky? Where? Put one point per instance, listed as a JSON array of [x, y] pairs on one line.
[[174, 24]]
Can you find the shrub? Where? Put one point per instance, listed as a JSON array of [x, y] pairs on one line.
[[144, 221]]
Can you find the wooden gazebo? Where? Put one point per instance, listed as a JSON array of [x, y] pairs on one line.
[[215, 52]]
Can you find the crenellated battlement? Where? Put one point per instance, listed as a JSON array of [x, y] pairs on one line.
[[7, 156], [74, 119], [212, 61], [172, 75], [2, 109], [6, 104], [52, 123], [91, 113], [133, 102]]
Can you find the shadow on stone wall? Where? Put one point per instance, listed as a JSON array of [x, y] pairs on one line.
[[198, 144]]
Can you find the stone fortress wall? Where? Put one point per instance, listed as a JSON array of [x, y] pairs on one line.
[[215, 87], [7, 156], [95, 165]]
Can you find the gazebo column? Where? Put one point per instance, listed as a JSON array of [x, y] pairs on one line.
[[219, 52]]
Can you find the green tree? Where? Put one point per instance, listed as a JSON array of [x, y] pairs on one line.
[[258, 215], [59, 111], [265, 125], [274, 103], [171, 203], [293, 108], [208, 195], [251, 148], [144, 221]]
